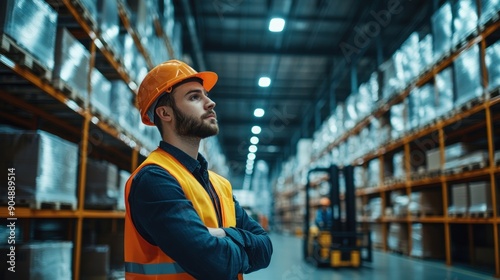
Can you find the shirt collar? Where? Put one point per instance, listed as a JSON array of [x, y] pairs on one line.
[[190, 163]]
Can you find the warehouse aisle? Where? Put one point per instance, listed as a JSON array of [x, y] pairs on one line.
[[287, 264]]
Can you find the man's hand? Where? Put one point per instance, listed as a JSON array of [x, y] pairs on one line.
[[217, 232]]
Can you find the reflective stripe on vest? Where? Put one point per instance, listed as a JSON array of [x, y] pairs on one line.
[[153, 268]]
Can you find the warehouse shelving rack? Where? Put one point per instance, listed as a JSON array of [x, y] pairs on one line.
[[477, 118], [31, 101]]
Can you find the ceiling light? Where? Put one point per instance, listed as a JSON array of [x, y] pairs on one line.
[[254, 140], [256, 129], [251, 156], [264, 81], [252, 149], [259, 112], [276, 25]]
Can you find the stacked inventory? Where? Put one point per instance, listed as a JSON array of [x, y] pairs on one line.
[[76, 67], [426, 145]]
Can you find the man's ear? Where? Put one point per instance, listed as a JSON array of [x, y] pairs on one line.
[[164, 113]]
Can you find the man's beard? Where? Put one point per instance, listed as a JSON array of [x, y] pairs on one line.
[[193, 127]]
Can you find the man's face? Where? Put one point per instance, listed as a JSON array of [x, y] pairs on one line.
[[194, 111]]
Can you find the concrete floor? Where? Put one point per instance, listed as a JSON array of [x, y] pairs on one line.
[[287, 264]]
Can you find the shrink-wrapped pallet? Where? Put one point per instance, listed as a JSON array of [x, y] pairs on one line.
[[101, 94], [120, 102], [426, 52], [397, 238], [444, 87], [464, 19], [480, 198], [109, 24], [441, 22], [40, 260], [467, 71], [101, 190], [489, 9], [32, 25], [459, 200], [492, 64], [427, 104], [427, 241], [72, 64], [45, 165]]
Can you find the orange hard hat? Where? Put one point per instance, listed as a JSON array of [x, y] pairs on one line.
[[324, 201], [161, 79]]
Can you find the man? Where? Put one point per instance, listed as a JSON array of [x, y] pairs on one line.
[[324, 214], [182, 221]]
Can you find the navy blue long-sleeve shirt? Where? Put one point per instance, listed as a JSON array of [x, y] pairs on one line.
[[164, 217]]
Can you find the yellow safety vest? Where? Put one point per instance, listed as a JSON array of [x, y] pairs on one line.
[[144, 261]]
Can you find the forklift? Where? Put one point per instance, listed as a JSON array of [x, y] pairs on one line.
[[342, 244]]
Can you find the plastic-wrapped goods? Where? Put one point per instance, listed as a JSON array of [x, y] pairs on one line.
[[391, 83], [101, 93], [101, 191], [441, 22], [427, 109], [364, 101], [40, 260], [480, 197], [109, 24], [444, 86], [129, 55], [414, 109], [158, 50], [427, 241], [95, 262], [397, 239], [468, 76], [123, 176], [176, 40], [433, 160], [374, 173], [351, 112], [141, 17], [72, 63], [46, 167], [399, 165], [120, 102], [359, 177], [426, 53], [459, 199], [365, 139], [373, 87], [399, 119], [489, 8], [411, 58], [375, 208], [454, 151], [492, 64], [464, 19], [32, 24], [354, 149], [428, 202], [340, 118]]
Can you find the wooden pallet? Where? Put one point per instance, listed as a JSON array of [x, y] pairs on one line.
[[86, 16], [421, 214], [481, 214], [45, 203], [22, 57], [458, 215], [67, 90], [466, 168]]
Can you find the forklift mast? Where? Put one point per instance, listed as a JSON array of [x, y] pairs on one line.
[[343, 228]]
